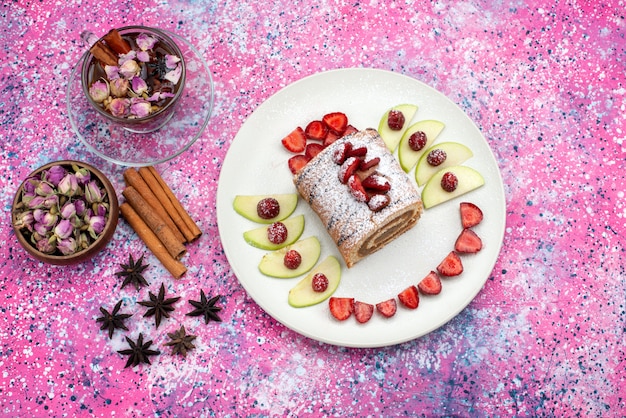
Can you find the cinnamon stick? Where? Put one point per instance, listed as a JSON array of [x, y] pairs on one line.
[[132, 178], [154, 222], [115, 41], [193, 227], [156, 188], [103, 53], [175, 267]]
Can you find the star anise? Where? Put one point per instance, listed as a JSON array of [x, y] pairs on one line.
[[132, 272], [159, 306], [206, 307], [158, 67], [181, 341], [138, 351], [113, 320]]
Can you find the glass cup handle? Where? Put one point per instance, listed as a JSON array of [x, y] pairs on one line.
[[89, 38]]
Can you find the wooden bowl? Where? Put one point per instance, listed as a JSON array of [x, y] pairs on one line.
[[97, 245]]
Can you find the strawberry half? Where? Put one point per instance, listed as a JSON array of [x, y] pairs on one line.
[[337, 122], [330, 138], [316, 130], [431, 284], [341, 308], [341, 153], [296, 141], [356, 188], [451, 265], [313, 149], [366, 165], [471, 215], [387, 308], [357, 152], [468, 242], [350, 130], [409, 297], [348, 168], [377, 183], [297, 162], [363, 311]]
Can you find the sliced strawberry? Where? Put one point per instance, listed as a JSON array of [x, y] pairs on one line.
[[377, 183], [348, 168], [296, 141], [471, 215], [316, 130], [357, 152], [341, 153], [337, 122], [387, 308], [350, 130], [378, 202], [312, 149], [409, 297], [341, 308], [366, 165], [330, 138], [431, 284], [363, 311], [468, 242], [356, 188], [297, 162], [451, 265]]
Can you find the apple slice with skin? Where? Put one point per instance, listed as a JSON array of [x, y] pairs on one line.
[[456, 154], [408, 158], [273, 264], [258, 237], [468, 180], [246, 206], [302, 294], [391, 137]]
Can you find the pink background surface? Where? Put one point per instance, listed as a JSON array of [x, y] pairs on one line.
[[545, 83]]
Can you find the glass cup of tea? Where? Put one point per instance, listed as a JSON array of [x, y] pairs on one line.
[[133, 76]]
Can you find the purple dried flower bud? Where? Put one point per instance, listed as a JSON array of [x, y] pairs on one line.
[[25, 220], [51, 202], [99, 91], [119, 87], [174, 75], [68, 186], [96, 226], [64, 229], [41, 229], [112, 72], [100, 209], [82, 175], [93, 194], [145, 41], [36, 202], [143, 56], [45, 246], [119, 107], [80, 207], [139, 85], [55, 174], [49, 220], [171, 61], [67, 246], [68, 210], [130, 69], [140, 108], [38, 214], [124, 58], [44, 189]]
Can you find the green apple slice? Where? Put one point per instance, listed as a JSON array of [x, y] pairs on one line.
[[391, 137], [273, 265], [302, 294], [469, 179], [456, 154], [245, 205], [408, 158], [258, 237]]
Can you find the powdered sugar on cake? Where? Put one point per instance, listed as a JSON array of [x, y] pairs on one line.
[[357, 229]]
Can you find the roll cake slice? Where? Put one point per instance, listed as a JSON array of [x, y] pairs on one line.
[[356, 229]]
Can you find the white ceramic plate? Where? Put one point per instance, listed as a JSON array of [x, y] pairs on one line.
[[256, 163]]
